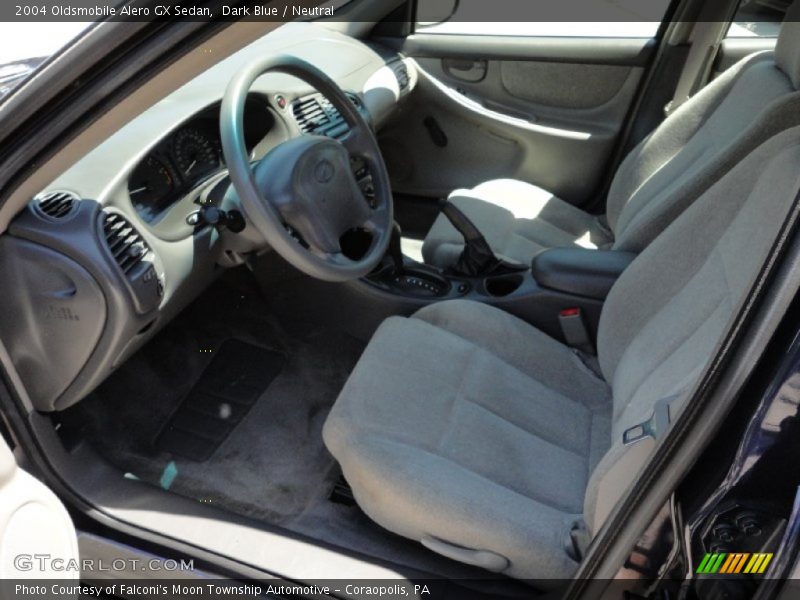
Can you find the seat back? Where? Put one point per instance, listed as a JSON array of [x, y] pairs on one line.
[[669, 310], [704, 138]]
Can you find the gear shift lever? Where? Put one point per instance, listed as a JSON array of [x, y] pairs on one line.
[[477, 259], [395, 251], [407, 277]]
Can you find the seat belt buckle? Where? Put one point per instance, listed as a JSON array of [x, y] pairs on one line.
[[653, 427], [573, 327]]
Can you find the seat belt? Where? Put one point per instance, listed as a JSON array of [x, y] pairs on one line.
[[706, 38], [574, 330]]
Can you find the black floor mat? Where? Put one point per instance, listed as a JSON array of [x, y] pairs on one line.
[[236, 377], [273, 464]]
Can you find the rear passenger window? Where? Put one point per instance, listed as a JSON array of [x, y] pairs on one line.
[[758, 18], [565, 18]]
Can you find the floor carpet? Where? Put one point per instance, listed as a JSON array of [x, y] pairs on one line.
[[272, 465]]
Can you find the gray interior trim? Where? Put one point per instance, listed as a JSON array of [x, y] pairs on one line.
[[561, 149], [590, 50], [570, 86]]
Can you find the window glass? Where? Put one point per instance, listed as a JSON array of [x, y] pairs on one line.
[[565, 18], [758, 18], [26, 45]]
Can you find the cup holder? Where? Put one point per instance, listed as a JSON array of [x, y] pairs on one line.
[[502, 285]]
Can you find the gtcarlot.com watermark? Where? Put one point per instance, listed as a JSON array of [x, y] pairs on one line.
[[43, 563]]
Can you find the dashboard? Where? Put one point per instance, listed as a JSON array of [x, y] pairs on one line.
[[112, 250]]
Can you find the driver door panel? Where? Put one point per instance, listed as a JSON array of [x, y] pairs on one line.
[[548, 111]]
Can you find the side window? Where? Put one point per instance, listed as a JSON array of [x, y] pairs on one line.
[[27, 44], [565, 18], [758, 18]]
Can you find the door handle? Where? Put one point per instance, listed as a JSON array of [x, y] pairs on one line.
[[471, 71]]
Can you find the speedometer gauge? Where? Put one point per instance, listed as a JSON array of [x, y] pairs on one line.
[[194, 152], [150, 185]]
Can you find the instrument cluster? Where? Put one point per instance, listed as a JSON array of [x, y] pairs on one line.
[[187, 157], [177, 165]]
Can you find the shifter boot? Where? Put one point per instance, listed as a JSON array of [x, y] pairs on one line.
[[477, 259]]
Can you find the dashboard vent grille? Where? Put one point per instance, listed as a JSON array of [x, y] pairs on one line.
[[316, 115], [127, 246], [401, 72], [310, 114], [57, 205]]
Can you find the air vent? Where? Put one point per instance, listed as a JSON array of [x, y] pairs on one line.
[[125, 243], [401, 73], [316, 115], [309, 114], [56, 205]]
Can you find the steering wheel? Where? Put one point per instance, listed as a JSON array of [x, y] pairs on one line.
[[307, 183]]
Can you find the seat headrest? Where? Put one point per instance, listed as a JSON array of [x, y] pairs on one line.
[[787, 52]]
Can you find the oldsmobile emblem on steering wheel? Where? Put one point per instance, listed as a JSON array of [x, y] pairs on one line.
[[323, 172]]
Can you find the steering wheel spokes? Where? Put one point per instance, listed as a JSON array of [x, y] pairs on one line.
[[308, 182], [357, 145], [377, 220]]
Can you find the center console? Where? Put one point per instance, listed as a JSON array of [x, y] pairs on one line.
[[560, 281], [580, 271]]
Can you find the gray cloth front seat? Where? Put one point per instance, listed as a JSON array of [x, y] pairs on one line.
[[476, 434], [662, 175]]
